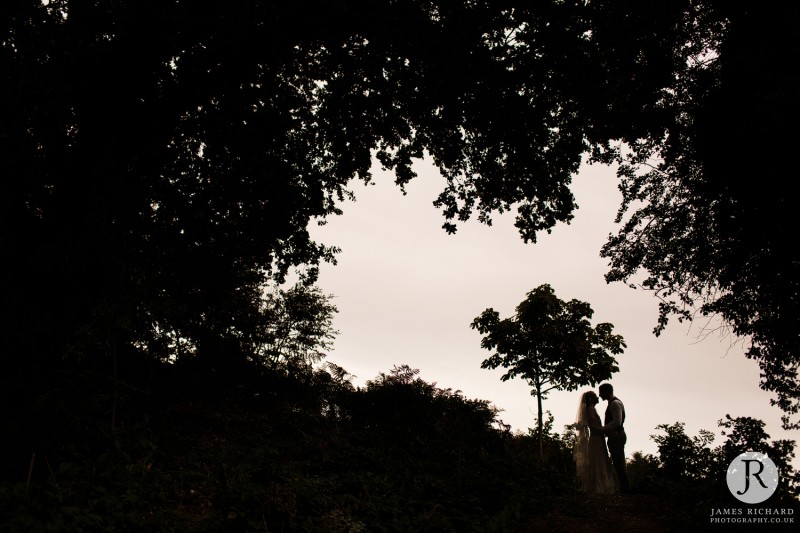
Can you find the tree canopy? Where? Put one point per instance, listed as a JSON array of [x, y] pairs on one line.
[[704, 218], [163, 159]]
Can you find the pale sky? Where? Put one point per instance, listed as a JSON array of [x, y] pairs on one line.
[[407, 293]]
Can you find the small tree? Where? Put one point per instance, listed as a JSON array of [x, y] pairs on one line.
[[551, 344], [746, 434], [296, 326], [682, 456]]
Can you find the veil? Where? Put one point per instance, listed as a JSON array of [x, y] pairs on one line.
[[582, 417], [581, 451]]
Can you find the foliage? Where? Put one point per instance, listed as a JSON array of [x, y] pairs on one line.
[[746, 434], [296, 326], [681, 456], [690, 458], [707, 227], [643, 471], [305, 450], [167, 158], [397, 455], [692, 475], [550, 343]]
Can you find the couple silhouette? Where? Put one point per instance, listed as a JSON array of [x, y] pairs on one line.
[[593, 457]]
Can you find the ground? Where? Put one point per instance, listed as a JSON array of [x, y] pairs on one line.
[[602, 514]]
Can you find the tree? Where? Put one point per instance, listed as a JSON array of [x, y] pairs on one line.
[[746, 434], [702, 213], [296, 326], [690, 458], [550, 343], [684, 457]]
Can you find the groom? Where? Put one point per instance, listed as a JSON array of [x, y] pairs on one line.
[[614, 430]]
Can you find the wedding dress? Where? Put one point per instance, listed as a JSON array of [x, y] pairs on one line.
[[592, 463]]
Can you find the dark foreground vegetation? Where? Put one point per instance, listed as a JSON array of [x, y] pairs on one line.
[[289, 450], [296, 449]]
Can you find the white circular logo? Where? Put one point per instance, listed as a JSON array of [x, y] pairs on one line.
[[752, 477]]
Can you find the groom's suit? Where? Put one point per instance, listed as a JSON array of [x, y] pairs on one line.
[[615, 431]]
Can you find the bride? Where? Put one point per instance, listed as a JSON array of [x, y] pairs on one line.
[[592, 463]]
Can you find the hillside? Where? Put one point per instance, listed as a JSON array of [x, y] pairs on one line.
[[303, 451]]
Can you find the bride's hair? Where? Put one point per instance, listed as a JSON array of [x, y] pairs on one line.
[[588, 400]]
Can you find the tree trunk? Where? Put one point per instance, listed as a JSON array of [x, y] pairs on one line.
[[539, 401]]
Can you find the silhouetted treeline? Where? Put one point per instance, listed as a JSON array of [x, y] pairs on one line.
[[293, 448], [288, 449], [689, 473]]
